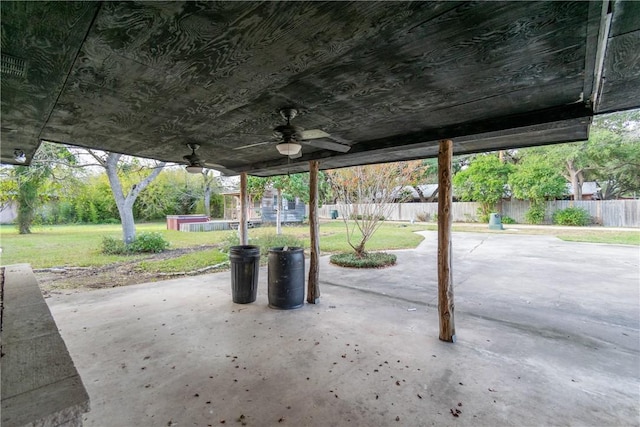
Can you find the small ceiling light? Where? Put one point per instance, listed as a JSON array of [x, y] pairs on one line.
[[19, 156], [195, 163], [288, 148]]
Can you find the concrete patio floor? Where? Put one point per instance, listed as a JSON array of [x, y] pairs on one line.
[[548, 334]]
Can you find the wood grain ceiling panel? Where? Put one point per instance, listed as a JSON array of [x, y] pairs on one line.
[[145, 78], [46, 37]]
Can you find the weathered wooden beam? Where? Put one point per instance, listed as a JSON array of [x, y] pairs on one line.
[[243, 227], [313, 285], [445, 274], [470, 129]]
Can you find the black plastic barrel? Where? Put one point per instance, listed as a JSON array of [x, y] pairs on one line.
[[286, 278], [245, 266]]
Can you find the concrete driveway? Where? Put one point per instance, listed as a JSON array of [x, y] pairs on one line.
[[548, 334]]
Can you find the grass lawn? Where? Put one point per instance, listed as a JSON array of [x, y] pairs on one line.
[[579, 234], [187, 262], [79, 245]]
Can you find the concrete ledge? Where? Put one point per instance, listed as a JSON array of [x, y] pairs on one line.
[[40, 384]]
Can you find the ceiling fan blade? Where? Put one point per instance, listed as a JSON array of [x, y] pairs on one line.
[[213, 165], [327, 145], [254, 145], [312, 134]]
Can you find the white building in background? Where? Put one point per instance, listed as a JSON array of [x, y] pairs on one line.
[[8, 213]]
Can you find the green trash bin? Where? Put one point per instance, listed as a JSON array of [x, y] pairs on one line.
[[495, 222], [334, 214]]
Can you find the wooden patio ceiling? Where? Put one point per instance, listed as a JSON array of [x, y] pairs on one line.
[[389, 79]]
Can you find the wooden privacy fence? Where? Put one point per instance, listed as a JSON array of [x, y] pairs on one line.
[[609, 213]]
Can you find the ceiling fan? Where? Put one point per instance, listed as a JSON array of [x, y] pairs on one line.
[[196, 164], [290, 137]]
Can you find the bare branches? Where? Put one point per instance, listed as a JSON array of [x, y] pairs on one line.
[[365, 196]]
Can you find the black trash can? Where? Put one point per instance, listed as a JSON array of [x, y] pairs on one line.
[[245, 266], [286, 278]]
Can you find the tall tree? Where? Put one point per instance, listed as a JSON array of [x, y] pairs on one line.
[[31, 180], [423, 172], [124, 201], [209, 183], [279, 183], [483, 181], [29, 183], [536, 179], [365, 195], [298, 187], [617, 156], [256, 187]]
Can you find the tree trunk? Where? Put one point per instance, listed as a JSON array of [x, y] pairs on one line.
[[360, 252], [125, 203], [577, 179], [207, 193], [27, 197], [128, 222], [423, 199], [278, 213], [433, 195], [207, 201]]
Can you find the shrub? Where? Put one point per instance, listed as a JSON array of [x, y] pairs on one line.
[[276, 241], [232, 239], [423, 216], [149, 242], [113, 246], [370, 260], [482, 217], [144, 242], [264, 243], [572, 216], [535, 215], [508, 220]]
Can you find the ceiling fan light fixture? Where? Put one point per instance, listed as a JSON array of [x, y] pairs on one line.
[[195, 163], [288, 148], [19, 156], [194, 169]]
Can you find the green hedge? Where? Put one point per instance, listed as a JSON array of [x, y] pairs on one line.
[[147, 242], [572, 216]]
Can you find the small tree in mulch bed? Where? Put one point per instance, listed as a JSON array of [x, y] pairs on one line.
[[365, 197]]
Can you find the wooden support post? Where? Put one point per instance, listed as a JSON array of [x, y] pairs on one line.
[[313, 285], [243, 228], [445, 274]]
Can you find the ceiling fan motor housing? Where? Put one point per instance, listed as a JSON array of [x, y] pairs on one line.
[[289, 133], [193, 158]]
